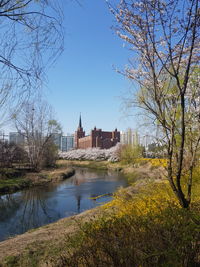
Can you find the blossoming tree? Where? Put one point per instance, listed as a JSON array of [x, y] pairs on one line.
[[164, 38]]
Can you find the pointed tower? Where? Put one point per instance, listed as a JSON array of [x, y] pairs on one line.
[[80, 123], [79, 133]]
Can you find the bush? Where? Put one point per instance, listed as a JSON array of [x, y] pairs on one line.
[[145, 232], [138, 241], [11, 154], [50, 155], [135, 230], [130, 154]]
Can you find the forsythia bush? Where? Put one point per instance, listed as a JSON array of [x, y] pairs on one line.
[[144, 229], [136, 229], [155, 162]]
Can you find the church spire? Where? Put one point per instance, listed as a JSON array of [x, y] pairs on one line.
[[80, 123]]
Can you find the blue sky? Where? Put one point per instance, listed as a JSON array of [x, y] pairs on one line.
[[83, 79]]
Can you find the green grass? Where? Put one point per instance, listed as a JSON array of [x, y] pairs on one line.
[[12, 179], [92, 165], [98, 165], [13, 184]]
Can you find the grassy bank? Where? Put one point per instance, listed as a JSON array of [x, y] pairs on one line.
[[142, 226], [97, 165], [140, 169], [146, 228], [14, 180]]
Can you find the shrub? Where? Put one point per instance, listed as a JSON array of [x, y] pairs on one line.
[[130, 154], [50, 155], [144, 230], [135, 230]]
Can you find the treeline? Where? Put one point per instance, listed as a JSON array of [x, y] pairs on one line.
[[11, 155], [36, 123], [17, 157]]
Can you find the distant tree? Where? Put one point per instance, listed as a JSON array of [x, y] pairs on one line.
[[11, 153], [129, 153], [6, 152], [31, 37], [19, 156], [50, 154], [35, 122], [164, 37], [156, 150]]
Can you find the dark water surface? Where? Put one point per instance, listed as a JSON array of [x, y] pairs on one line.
[[37, 206]]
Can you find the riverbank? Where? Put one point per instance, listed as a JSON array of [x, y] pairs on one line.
[[41, 244], [48, 241], [24, 179], [19, 179], [148, 169], [143, 225]]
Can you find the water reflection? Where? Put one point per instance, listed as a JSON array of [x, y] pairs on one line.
[[36, 209], [37, 206], [8, 206]]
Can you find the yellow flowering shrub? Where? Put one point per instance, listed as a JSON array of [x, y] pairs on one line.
[[139, 229], [154, 162], [153, 199]]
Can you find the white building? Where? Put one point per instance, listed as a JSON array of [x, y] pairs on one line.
[[129, 137], [67, 143], [146, 140]]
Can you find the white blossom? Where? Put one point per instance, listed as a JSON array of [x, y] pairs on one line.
[[96, 154]]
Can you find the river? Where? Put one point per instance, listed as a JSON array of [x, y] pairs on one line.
[[32, 208]]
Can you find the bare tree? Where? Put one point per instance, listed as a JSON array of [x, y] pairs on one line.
[[11, 153], [36, 123], [31, 37], [164, 38]]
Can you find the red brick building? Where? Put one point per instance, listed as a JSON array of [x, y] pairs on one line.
[[97, 138]]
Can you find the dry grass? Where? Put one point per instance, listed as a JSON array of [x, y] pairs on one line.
[[140, 227], [143, 227], [48, 235]]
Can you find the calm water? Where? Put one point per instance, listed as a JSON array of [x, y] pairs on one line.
[[34, 207]]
